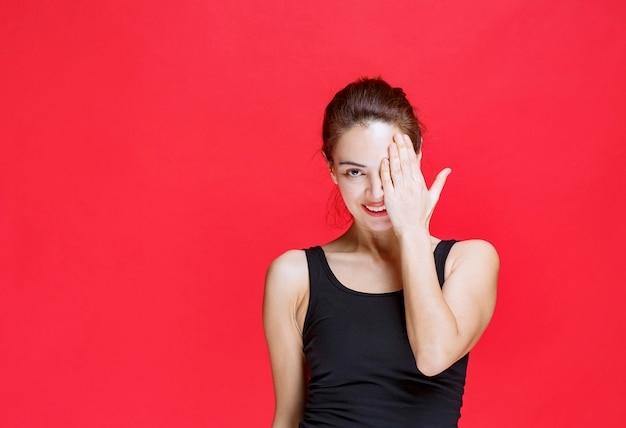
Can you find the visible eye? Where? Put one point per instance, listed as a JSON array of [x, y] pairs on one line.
[[353, 173]]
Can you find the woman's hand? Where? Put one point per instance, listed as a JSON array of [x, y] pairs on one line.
[[408, 201]]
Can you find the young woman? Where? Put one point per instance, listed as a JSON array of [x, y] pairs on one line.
[[374, 328]]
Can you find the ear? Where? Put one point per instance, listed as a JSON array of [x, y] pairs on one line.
[[333, 176], [331, 169]]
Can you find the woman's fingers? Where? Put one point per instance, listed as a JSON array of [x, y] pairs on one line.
[[440, 181], [411, 161], [407, 196], [385, 177], [400, 160], [395, 164]]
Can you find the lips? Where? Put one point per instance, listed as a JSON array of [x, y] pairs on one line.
[[375, 210]]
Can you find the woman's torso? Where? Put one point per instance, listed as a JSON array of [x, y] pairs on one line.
[[362, 370]]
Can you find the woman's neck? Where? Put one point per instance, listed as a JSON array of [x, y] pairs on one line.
[[383, 244]]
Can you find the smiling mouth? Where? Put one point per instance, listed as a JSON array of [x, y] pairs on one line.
[[376, 209]]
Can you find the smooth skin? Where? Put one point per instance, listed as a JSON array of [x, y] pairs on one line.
[[382, 251]]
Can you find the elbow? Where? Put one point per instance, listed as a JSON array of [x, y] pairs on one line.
[[430, 370], [432, 365]]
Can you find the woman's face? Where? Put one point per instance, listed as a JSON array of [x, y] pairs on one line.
[[356, 171]]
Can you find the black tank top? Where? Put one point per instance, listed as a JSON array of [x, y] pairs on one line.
[[361, 367]]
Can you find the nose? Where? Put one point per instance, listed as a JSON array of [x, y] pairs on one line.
[[375, 188]]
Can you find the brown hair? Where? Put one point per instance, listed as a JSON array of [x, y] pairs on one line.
[[362, 102]]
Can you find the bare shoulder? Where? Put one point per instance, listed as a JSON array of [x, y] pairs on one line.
[[288, 276], [291, 265], [475, 251], [474, 259]]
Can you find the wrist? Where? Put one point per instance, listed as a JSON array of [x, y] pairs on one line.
[[414, 235]]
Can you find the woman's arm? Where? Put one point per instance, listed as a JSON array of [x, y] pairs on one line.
[[284, 308], [443, 323]]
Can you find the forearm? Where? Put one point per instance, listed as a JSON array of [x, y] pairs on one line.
[[431, 326], [285, 422]]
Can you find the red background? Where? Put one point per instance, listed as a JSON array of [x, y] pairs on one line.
[[155, 157]]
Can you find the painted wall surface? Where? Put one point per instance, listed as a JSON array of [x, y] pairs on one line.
[[156, 156]]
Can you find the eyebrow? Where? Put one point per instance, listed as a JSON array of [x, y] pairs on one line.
[[353, 164]]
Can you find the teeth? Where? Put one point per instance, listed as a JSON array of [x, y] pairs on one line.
[[376, 209]]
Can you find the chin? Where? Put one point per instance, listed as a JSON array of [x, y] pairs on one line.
[[385, 228], [376, 224]]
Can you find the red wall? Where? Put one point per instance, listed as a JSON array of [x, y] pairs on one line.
[[156, 156]]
